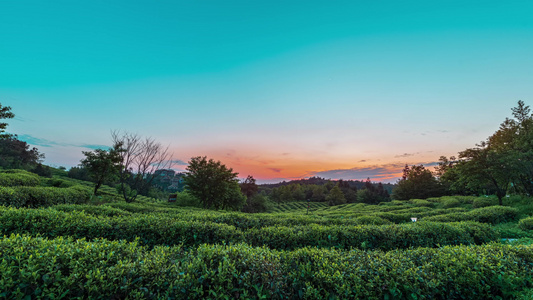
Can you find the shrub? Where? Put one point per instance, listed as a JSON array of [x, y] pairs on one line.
[[101, 269], [60, 183], [494, 214], [158, 229], [19, 178], [422, 203], [482, 202], [372, 220], [451, 202], [186, 199], [256, 204], [526, 224], [27, 196]]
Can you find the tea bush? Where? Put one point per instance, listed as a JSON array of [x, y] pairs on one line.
[[28, 196], [483, 202], [157, 229], [68, 268], [526, 224], [18, 178]]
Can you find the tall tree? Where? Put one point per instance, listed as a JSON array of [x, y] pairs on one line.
[[102, 165], [214, 184], [5, 113], [486, 170], [139, 159]]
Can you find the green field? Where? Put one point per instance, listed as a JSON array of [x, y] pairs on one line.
[[100, 247]]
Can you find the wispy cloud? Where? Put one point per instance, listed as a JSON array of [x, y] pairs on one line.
[[405, 155], [39, 142], [94, 147], [379, 173], [178, 162], [49, 143], [277, 170]]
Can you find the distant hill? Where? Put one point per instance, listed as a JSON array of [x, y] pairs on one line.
[[322, 181]]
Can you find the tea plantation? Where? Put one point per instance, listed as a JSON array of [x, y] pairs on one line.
[[59, 242]]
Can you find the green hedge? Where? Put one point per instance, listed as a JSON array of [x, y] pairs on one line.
[[27, 196], [526, 224], [490, 214], [64, 268], [157, 229], [19, 178], [95, 210]]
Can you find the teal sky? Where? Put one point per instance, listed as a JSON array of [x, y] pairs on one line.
[[274, 89]]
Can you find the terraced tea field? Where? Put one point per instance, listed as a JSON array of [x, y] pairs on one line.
[[457, 249]]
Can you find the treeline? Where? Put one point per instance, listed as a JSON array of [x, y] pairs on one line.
[[316, 180], [322, 190], [500, 165]]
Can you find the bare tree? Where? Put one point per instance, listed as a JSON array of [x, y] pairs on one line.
[[140, 158]]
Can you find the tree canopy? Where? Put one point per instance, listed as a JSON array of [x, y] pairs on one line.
[[417, 182], [5, 113], [214, 184], [102, 164], [495, 166]]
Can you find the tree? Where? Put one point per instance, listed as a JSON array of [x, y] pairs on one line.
[[486, 170], [249, 187], [139, 159], [5, 113], [417, 183], [503, 161], [102, 165], [214, 184], [335, 196], [16, 154], [79, 172]]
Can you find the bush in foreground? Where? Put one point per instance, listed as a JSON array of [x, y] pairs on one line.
[[67, 268]]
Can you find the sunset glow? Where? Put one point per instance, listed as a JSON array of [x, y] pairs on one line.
[[275, 90]]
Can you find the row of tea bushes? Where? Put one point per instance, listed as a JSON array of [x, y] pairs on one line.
[[385, 237], [64, 268], [490, 214], [19, 178], [157, 229], [526, 223], [37, 196], [239, 220]]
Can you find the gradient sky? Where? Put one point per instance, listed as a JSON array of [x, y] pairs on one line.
[[274, 89]]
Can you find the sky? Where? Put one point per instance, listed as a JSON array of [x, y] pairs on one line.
[[274, 89]]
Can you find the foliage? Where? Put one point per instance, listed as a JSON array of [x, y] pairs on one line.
[[80, 173], [102, 165], [500, 165], [36, 196], [482, 202], [248, 187], [63, 267], [186, 199], [526, 224], [256, 204], [335, 196], [16, 154], [417, 183], [42, 170], [214, 184], [491, 215], [157, 229], [19, 178], [140, 158], [5, 113]]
